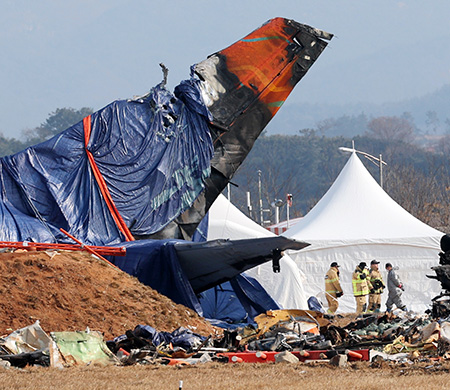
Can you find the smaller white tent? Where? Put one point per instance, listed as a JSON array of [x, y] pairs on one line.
[[285, 287], [357, 221]]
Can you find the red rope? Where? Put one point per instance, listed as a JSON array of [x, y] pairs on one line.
[[43, 246], [102, 184]]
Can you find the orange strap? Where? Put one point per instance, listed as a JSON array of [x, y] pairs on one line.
[[102, 184]]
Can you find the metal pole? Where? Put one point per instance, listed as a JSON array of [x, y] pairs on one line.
[[287, 215], [261, 214], [381, 171], [249, 205], [376, 161], [229, 192], [277, 214], [288, 205]]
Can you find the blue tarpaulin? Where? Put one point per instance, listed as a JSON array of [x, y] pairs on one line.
[[221, 303], [149, 157], [180, 337], [153, 154], [236, 301], [155, 263]]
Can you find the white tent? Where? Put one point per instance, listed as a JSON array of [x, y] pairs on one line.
[[357, 221], [226, 221]]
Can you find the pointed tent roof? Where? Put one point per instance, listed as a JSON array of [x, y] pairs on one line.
[[357, 221], [356, 207]]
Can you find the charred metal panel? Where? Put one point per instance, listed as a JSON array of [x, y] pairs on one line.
[[441, 303], [244, 86], [210, 263]]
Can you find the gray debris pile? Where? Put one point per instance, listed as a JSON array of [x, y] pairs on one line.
[[280, 336]]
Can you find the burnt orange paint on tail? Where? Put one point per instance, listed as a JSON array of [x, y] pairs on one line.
[[259, 61]]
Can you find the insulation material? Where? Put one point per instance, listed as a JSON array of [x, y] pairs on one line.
[[29, 339], [445, 331], [82, 348]]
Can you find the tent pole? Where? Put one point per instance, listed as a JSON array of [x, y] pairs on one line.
[[381, 171]]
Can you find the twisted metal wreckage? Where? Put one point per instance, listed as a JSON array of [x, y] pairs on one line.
[[149, 168], [291, 336], [440, 307]]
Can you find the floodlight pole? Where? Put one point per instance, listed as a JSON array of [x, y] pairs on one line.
[[378, 161], [277, 203]]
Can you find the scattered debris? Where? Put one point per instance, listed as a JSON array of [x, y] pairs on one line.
[[47, 289], [293, 336], [285, 357], [77, 348], [339, 360]]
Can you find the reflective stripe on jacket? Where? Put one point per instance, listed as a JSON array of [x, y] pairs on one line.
[[332, 284], [361, 286]]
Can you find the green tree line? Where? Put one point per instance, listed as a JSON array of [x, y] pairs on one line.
[[307, 164]]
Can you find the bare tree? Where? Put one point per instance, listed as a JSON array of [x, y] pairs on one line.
[[432, 121], [325, 125], [447, 125], [391, 128], [423, 195]]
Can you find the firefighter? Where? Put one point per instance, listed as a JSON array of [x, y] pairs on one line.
[[361, 287], [378, 286], [333, 289]]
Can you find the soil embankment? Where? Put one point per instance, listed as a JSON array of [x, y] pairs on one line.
[[69, 291]]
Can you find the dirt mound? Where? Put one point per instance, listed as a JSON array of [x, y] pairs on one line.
[[73, 290]]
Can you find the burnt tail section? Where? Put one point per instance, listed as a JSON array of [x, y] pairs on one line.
[[244, 86]]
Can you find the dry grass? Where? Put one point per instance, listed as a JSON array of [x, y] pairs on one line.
[[216, 376]]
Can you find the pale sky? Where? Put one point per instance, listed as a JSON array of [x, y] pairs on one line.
[[79, 53]]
